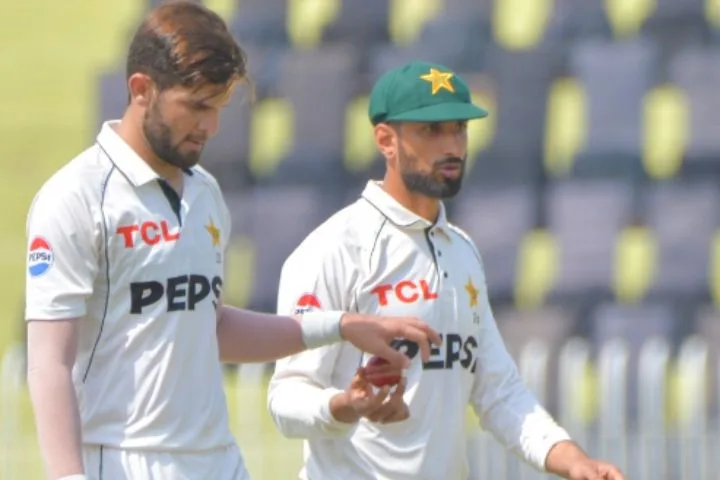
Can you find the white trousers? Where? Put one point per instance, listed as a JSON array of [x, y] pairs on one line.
[[104, 463]]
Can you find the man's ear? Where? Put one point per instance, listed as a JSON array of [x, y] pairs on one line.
[[141, 89], [386, 140]]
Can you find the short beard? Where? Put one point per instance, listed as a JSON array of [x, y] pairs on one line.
[[159, 136], [425, 184]]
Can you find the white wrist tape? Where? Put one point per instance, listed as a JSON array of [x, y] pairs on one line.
[[321, 328], [74, 477]]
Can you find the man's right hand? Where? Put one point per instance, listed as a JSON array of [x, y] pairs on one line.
[[362, 400], [373, 335]]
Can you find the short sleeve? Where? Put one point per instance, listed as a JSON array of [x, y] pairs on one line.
[[62, 253]]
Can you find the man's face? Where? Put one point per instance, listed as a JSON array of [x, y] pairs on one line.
[[178, 122], [431, 157]]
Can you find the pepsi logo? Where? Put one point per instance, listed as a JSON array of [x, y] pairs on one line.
[[306, 303], [40, 257]]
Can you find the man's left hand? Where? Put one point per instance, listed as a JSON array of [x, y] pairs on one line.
[[590, 469], [568, 460]]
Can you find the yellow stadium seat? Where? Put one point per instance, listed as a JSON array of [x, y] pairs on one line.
[[481, 132], [635, 264], [666, 129], [307, 19], [407, 18], [271, 135], [521, 24], [566, 126], [712, 12], [239, 260], [714, 280], [360, 149], [627, 16], [225, 8], [537, 268]]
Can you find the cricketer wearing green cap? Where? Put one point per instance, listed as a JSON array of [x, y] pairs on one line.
[[394, 252], [420, 113]]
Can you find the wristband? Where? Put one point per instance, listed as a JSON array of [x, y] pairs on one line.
[[74, 477], [321, 328]]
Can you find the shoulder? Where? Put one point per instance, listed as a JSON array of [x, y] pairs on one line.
[[79, 183], [343, 236], [465, 240]]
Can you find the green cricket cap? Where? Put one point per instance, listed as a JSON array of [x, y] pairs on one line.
[[421, 92]]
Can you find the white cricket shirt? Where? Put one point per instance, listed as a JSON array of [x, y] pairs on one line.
[[144, 270], [377, 257]]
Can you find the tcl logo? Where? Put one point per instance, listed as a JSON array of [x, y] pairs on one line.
[[149, 233], [181, 293], [407, 291], [455, 349]]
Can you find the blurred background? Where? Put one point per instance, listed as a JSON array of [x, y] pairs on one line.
[[593, 191]]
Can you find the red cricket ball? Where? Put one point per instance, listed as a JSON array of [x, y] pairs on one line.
[[379, 373]]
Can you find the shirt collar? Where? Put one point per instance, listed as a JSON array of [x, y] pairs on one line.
[[125, 159], [398, 214]]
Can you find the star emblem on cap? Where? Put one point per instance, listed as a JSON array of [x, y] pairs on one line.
[[214, 233], [439, 80], [472, 292]]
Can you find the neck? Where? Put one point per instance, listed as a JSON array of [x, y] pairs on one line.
[[130, 131], [421, 205]]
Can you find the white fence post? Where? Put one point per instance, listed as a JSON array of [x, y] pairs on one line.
[[573, 362], [612, 421], [653, 364], [692, 369]]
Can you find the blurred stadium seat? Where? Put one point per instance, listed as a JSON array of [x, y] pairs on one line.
[[613, 137], [683, 216], [586, 217]]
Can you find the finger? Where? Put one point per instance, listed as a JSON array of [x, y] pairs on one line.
[[397, 395], [396, 359], [429, 333], [614, 474], [386, 412], [377, 399], [399, 415]]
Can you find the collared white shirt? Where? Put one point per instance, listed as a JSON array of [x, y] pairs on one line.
[[377, 257], [143, 268]]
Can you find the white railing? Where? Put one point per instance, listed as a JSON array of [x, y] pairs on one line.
[[647, 444]]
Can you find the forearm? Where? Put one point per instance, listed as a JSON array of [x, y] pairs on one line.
[[562, 456], [302, 410], [57, 419], [520, 422], [248, 337]]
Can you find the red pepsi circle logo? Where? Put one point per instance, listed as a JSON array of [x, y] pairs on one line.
[[40, 257]]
